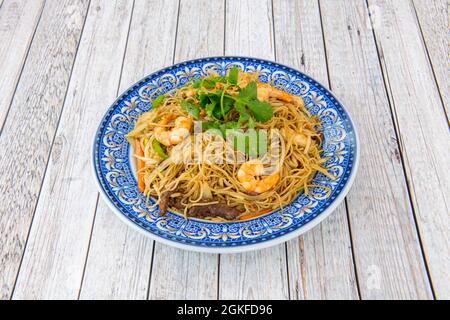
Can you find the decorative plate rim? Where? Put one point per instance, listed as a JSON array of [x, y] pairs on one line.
[[240, 247]]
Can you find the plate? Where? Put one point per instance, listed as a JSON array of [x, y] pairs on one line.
[[113, 166]]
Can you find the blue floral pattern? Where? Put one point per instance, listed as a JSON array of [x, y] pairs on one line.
[[111, 157]]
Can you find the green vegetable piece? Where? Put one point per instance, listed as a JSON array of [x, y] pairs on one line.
[[209, 84], [221, 79], [249, 92], [159, 149], [210, 109], [203, 100], [233, 76], [210, 125], [227, 103], [197, 83], [251, 122], [158, 100], [193, 110], [262, 111]]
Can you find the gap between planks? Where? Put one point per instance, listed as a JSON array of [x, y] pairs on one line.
[[431, 224], [7, 101]]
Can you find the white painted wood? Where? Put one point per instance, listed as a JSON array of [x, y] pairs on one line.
[[254, 275], [249, 29], [260, 274], [433, 19], [29, 129], [423, 132], [388, 258], [118, 265], [179, 274], [387, 253], [151, 41], [119, 261], [320, 263], [57, 246], [18, 21]]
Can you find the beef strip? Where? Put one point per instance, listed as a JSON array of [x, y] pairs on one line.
[[209, 210], [214, 210], [164, 202], [176, 203], [167, 201]]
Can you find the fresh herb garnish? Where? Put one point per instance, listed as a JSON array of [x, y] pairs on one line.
[[209, 83], [197, 83], [193, 110], [233, 76], [262, 111], [218, 103], [209, 108]]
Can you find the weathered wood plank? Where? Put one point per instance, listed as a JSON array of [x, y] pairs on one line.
[[261, 274], [56, 251], [34, 116], [386, 246], [423, 132], [179, 274], [320, 263], [119, 261], [118, 265], [433, 19], [18, 21]]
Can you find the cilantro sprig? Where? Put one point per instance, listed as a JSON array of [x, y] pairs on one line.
[[217, 104]]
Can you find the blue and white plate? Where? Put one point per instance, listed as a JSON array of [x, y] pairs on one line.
[[117, 181]]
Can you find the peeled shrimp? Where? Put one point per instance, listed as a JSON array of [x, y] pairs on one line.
[[182, 127], [248, 173], [265, 91]]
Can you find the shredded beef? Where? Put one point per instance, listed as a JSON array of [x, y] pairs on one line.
[[214, 210]]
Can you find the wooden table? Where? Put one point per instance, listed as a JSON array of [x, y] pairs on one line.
[[62, 63]]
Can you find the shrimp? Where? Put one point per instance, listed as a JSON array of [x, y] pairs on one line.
[[265, 91], [248, 173], [175, 135]]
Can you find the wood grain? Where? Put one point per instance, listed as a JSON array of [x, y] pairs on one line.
[[320, 263], [433, 16], [18, 21], [55, 255], [179, 274], [119, 261], [423, 132], [387, 252], [118, 264], [393, 80], [30, 127], [261, 274]]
